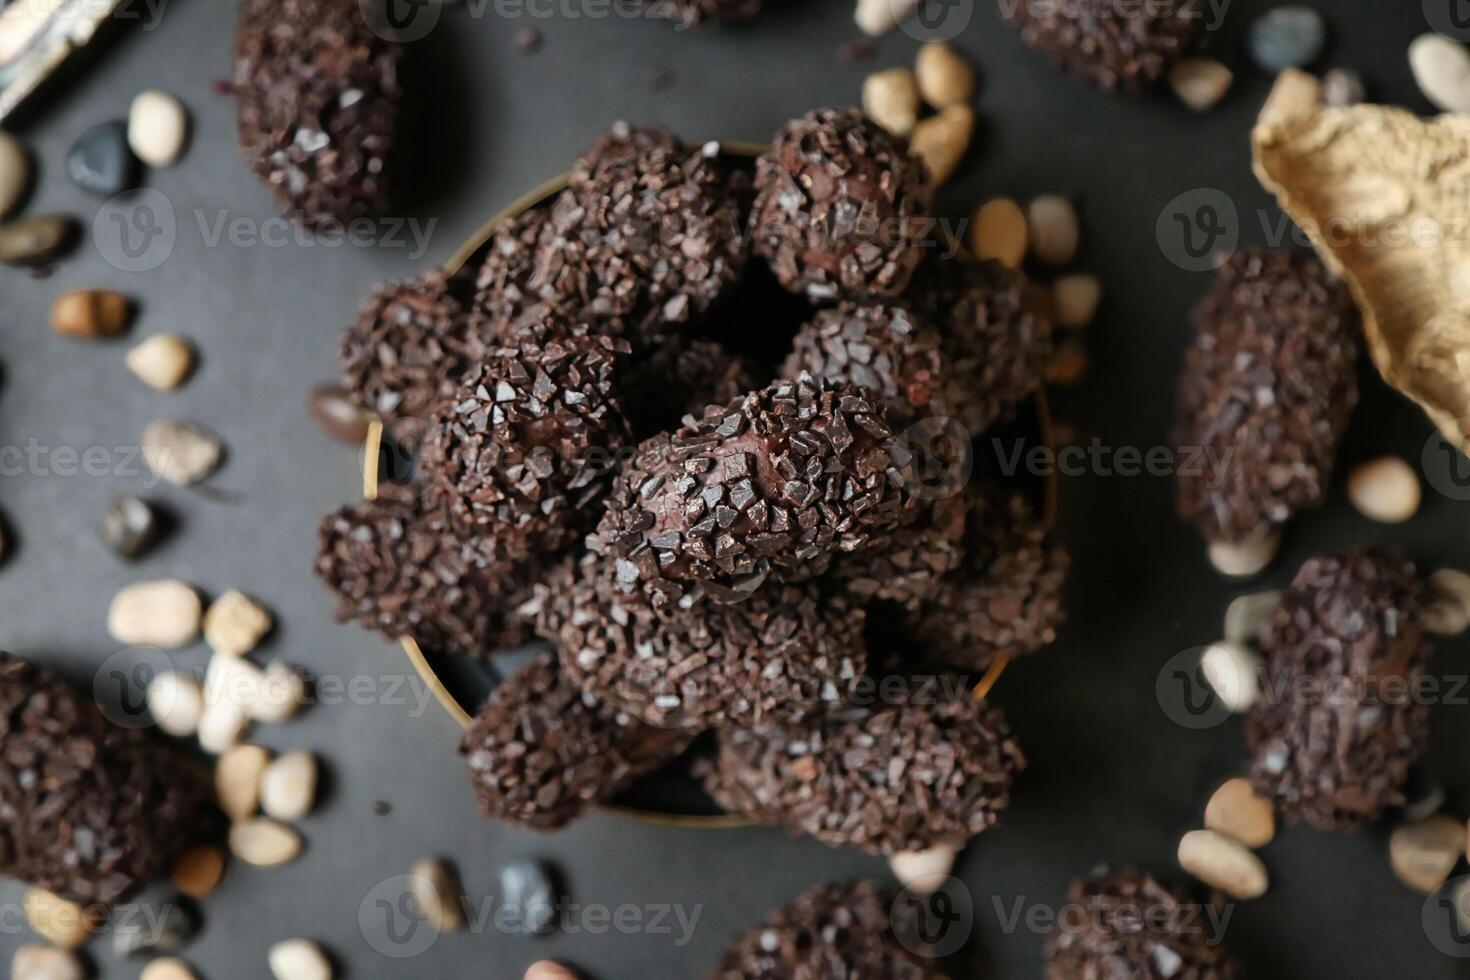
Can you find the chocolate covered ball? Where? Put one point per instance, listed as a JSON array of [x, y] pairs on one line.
[[1340, 724], [684, 377], [1268, 386], [841, 207], [850, 931], [400, 568], [1128, 926], [775, 483], [91, 811], [697, 13], [540, 751], [1116, 46], [907, 565], [929, 770]]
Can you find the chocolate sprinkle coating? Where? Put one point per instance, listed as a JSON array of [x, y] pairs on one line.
[[1128, 926], [907, 565], [397, 567], [884, 779], [773, 484], [318, 109], [684, 377], [1006, 598], [784, 653], [1112, 45], [853, 931], [841, 207], [696, 13], [88, 810], [1338, 728], [1268, 386], [540, 752]]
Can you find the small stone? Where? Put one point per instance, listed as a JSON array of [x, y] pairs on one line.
[[167, 968], [1068, 363], [1422, 854], [1441, 67], [15, 173], [1424, 795], [1236, 811], [1248, 613], [1343, 87], [162, 361], [1223, 863], [381, 808], [222, 726], [548, 970], [333, 409], [299, 959], [923, 872], [164, 613], [232, 681], [158, 128], [1051, 223], [235, 624], [282, 694], [36, 241], [199, 870], [440, 895], [63, 923], [238, 779], [181, 452], [527, 892], [288, 787], [1445, 617], [131, 527], [999, 231], [891, 99], [101, 162], [90, 314], [1244, 559], [264, 843], [941, 141], [162, 927], [1233, 672], [1385, 490], [1451, 583], [944, 77], [176, 703], [528, 40], [45, 963], [878, 17], [1075, 299], [1200, 83], [1287, 37]]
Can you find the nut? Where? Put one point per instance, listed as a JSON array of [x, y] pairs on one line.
[[945, 78], [941, 141], [1075, 299], [1223, 863], [1385, 490], [891, 99], [1055, 232]]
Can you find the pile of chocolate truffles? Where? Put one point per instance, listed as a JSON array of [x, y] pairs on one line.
[[668, 424]]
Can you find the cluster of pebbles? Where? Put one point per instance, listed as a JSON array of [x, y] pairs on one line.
[[707, 520]]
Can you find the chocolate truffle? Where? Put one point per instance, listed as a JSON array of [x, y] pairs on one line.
[[1339, 724], [841, 207], [1269, 383], [1128, 926], [857, 930], [318, 95], [1127, 46], [684, 377], [785, 652], [92, 811], [408, 349], [529, 444], [540, 752], [774, 483], [696, 13], [888, 778], [1005, 598], [907, 565], [397, 567]]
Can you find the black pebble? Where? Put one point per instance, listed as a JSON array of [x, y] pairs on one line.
[[147, 928], [526, 886], [131, 527], [100, 160]]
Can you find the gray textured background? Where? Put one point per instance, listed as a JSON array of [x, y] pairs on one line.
[[1111, 778]]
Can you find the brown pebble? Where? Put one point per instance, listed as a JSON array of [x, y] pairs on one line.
[[1236, 811], [999, 231], [199, 870], [333, 409], [90, 314], [528, 40], [1424, 853], [1068, 364]]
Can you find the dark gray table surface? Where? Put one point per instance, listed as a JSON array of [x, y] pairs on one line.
[[1111, 777]]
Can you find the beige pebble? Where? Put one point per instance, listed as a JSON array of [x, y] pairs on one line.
[[162, 361], [1075, 299], [158, 128], [1422, 854], [299, 959], [180, 452], [945, 77], [1445, 617], [998, 231], [439, 893], [877, 17], [162, 613], [1053, 228], [1238, 812], [222, 726], [548, 970], [1385, 490], [1200, 83], [46, 963], [15, 173], [198, 871], [237, 780], [923, 872], [90, 314], [941, 141], [282, 694], [288, 786], [176, 703], [1233, 672], [1248, 613], [235, 624], [891, 99], [167, 968], [1223, 863], [1452, 584], [64, 923], [1244, 559], [1441, 67], [233, 680], [264, 842]]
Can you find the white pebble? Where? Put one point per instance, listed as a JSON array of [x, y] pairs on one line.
[[1248, 613], [162, 613], [180, 452], [1243, 559], [238, 778], [1075, 299], [264, 843], [1054, 229], [288, 787], [1233, 672], [234, 680], [176, 702], [1385, 490], [162, 361], [45, 963], [282, 695], [922, 872], [1442, 69], [167, 968], [299, 959], [235, 624], [1223, 863], [222, 726], [158, 128], [15, 173], [877, 17], [1200, 83]]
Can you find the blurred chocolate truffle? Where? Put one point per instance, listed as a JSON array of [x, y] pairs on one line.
[[841, 207], [1128, 926], [92, 811], [696, 13], [1116, 46], [908, 565], [684, 377], [1339, 724], [318, 107], [540, 752], [1268, 386]]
